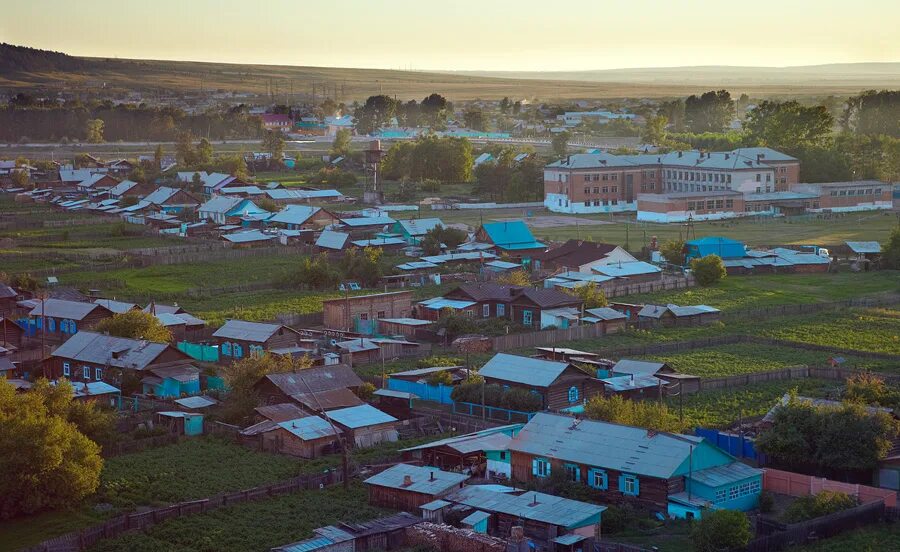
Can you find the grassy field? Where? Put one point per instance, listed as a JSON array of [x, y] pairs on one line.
[[881, 537], [753, 292], [876, 330], [254, 526], [748, 358], [721, 408]]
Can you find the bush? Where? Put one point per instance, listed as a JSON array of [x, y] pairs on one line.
[[766, 502], [708, 270], [432, 361], [822, 504], [440, 378], [721, 530]]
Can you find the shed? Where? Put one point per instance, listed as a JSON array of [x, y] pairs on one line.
[[181, 423], [725, 248], [366, 424], [305, 436], [407, 487], [471, 451]]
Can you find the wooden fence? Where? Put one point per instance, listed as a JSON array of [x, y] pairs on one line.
[[87, 538], [129, 447], [798, 484], [777, 536], [666, 284]]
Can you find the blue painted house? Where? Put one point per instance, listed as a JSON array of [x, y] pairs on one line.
[[511, 237], [714, 245], [413, 230], [172, 381], [679, 475]]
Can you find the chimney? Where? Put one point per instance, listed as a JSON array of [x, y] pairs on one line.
[[534, 501], [727, 156], [632, 379], [407, 481], [431, 477], [680, 153], [568, 160], [759, 156]]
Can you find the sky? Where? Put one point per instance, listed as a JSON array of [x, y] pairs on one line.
[[514, 35]]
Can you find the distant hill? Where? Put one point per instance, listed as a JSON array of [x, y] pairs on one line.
[[24, 68]]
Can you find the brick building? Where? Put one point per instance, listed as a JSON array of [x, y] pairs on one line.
[[862, 195], [602, 182]]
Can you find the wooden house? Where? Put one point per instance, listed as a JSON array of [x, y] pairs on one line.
[[611, 320], [238, 338], [58, 318], [302, 217], [406, 487], [171, 381], [365, 425], [674, 315], [581, 256], [561, 385], [12, 335], [284, 387], [512, 238], [406, 327], [467, 452], [173, 200], [8, 299], [524, 305], [303, 436], [360, 313], [90, 356], [680, 474]]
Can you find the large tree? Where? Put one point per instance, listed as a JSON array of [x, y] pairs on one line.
[[136, 324], [93, 131], [374, 114], [341, 143], [560, 143], [434, 111], [873, 112], [789, 124], [273, 143], [710, 112], [242, 376], [46, 461]]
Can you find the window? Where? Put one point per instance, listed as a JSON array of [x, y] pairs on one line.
[[226, 349], [526, 317], [614, 177], [486, 310], [363, 316], [587, 191], [540, 467], [628, 484], [729, 203], [98, 374], [719, 203], [502, 455], [86, 372], [758, 177], [573, 394], [605, 177], [573, 472], [237, 350], [380, 314], [728, 178], [587, 203], [598, 479], [614, 189], [501, 309], [710, 204], [596, 190], [67, 370], [605, 189], [691, 205], [768, 178]]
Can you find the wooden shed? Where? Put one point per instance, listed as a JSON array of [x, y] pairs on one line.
[[406, 487]]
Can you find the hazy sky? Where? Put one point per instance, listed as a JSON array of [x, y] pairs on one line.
[[464, 34]]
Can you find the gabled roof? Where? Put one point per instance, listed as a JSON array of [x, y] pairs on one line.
[[308, 428], [525, 370], [118, 307], [257, 332], [639, 367], [533, 506], [605, 445], [60, 308], [315, 379], [495, 438], [605, 313], [122, 187], [120, 352], [623, 270], [161, 195], [328, 400], [419, 227], [90, 181], [864, 246], [294, 214], [577, 252], [512, 235], [220, 204], [425, 480], [545, 297], [281, 412]]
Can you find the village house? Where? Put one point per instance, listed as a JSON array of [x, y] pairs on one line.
[[331, 241], [472, 451], [406, 327], [12, 335], [296, 195], [302, 217], [172, 200], [171, 381], [214, 182], [57, 319], [682, 474], [365, 425], [292, 387], [90, 356], [561, 385], [183, 326], [224, 210], [512, 238], [117, 307], [406, 487], [547, 520], [8, 299], [360, 313], [96, 182], [363, 227], [238, 338], [412, 231], [610, 319], [581, 256], [304, 436], [524, 305], [276, 121]]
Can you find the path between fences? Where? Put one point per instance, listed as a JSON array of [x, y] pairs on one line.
[[140, 521]]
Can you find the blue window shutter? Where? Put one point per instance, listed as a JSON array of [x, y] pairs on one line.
[[578, 473], [621, 483], [51, 325], [72, 327], [637, 486], [534, 466]]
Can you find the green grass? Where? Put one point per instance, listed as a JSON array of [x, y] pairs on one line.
[[875, 330], [751, 292], [254, 526], [880, 537], [748, 358], [721, 408]]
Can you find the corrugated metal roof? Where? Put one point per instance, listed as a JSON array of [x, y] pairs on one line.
[[623, 270], [513, 234], [315, 379], [638, 367], [379, 242], [406, 321], [309, 545], [60, 308], [329, 239], [367, 221], [502, 265], [258, 332], [438, 303], [570, 539], [121, 352], [294, 214], [118, 307], [434, 505], [864, 246], [394, 394], [629, 383], [87, 389], [450, 257], [200, 401], [606, 313], [160, 195], [531, 505], [628, 449], [425, 480], [308, 428], [526, 370], [419, 227], [249, 236], [475, 517], [416, 265], [328, 400], [360, 416], [724, 475]]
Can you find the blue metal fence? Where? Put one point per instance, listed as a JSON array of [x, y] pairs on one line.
[[435, 393], [735, 445]]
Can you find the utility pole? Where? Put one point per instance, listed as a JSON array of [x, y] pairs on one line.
[[345, 455]]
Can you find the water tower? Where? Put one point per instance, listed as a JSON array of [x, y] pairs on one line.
[[373, 194]]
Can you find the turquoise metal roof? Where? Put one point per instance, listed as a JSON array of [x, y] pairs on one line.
[[513, 234], [475, 518], [629, 383], [308, 428], [294, 214], [518, 369], [724, 475], [425, 479], [367, 221], [623, 270], [532, 505], [502, 265], [434, 505], [439, 303], [570, 539], [329, 239], [419, 227]]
